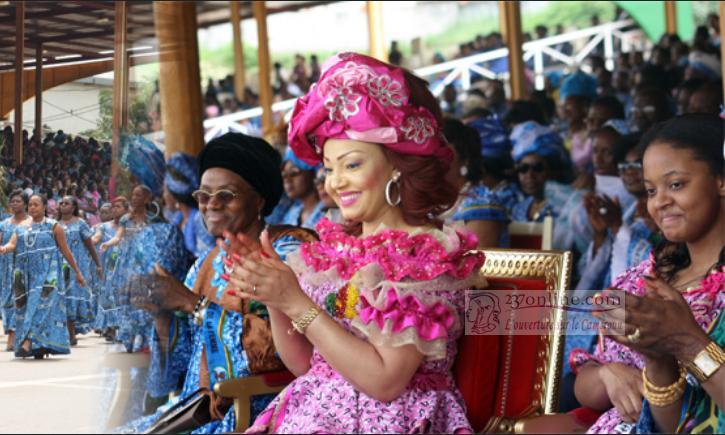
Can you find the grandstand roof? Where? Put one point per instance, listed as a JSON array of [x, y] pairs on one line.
[[74, 31]]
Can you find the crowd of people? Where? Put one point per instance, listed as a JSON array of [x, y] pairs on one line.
[[343, 259]]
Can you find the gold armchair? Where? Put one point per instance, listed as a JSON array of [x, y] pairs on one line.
[[242, 390], [505, 393]]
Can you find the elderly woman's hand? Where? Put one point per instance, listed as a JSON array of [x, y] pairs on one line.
[[657, 325], [259, 274]]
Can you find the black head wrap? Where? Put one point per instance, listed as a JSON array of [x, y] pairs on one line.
[[252, 158]]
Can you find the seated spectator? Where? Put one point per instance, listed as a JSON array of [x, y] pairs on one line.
[[650, 106], [685, 275], [576, 94], [537, 152], [706, 99], [477, 207], [306, 208]]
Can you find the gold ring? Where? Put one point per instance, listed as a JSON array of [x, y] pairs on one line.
[[635, 336], [254, 289]]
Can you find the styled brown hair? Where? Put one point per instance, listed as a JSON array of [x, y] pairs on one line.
[[425, 192]]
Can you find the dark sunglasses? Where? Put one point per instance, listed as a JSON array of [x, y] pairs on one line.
[[224, 196], [538, 168]]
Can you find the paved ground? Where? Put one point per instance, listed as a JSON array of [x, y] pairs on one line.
[[59, 394]]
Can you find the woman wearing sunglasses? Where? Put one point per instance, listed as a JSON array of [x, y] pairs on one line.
[[227, 337], [368, 317], [536, 150], [79, 301]]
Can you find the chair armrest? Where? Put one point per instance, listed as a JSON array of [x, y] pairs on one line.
[[242, 390]]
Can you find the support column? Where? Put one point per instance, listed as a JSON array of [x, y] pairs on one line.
[[239, 71], [510, 18], [119, 122], [39, 91], [265, 83], [19, 82], [376, 42], [179, 78], [670, 17]]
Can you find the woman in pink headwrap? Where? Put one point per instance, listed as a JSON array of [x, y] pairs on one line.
[[369, 316]]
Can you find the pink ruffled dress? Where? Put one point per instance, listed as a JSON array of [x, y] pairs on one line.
[[706, 301], [391, 288]]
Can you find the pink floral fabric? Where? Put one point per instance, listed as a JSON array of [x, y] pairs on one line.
[[706, 301], [322, 401], [361, 98]]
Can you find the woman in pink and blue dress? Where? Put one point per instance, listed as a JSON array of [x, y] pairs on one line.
[[683, 174], [368, 317]]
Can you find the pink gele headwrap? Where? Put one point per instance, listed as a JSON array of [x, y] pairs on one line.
[[361, 98]]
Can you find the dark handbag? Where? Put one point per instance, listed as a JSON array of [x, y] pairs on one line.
[[190, 413]]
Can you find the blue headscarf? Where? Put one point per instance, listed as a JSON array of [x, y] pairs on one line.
[[494, 139], [144, 160], [578, 84], [182, 174], [290, 156], [531, 137]]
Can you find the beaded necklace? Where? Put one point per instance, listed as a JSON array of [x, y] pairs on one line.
[[28, 243]]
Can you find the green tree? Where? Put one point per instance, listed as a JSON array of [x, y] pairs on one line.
[[138, 109]]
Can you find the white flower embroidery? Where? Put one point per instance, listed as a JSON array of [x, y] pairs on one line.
[[418, 129], [386, 90], [342, 101]]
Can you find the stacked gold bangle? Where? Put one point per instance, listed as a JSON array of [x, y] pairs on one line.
[[301, 324], [664, 396]]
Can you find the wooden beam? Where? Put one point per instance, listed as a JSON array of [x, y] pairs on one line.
[[19, 82], [179, 77], [52, 12], [670, 17], [265, 84], [39, 92], [376, 40], [510, 16], [120, 85], [239, 70]]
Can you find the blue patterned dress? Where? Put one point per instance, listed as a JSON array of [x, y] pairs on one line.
[[231, 338], [7, 308], [107, 306], [39, 290], [482, 204], [144, 246], [294, 213], [79, 301]]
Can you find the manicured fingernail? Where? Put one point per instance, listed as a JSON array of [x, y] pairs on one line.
[[236, 257], [231, 293], [228, 262], [225, 277], [264, 254]]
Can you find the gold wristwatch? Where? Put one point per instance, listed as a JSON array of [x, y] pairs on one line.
[[707, 362]]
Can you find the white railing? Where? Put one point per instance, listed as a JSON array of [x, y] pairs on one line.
[[461, 70]]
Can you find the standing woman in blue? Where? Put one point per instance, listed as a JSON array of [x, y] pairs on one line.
[[132, 322], [79, 299], [107, 314], [18, 205], [38, 286]]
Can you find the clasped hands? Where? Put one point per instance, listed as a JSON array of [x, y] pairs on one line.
[[256, 272], [665, 323]]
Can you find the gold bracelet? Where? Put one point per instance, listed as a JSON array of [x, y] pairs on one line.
[[301, 324], [664, 396]]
